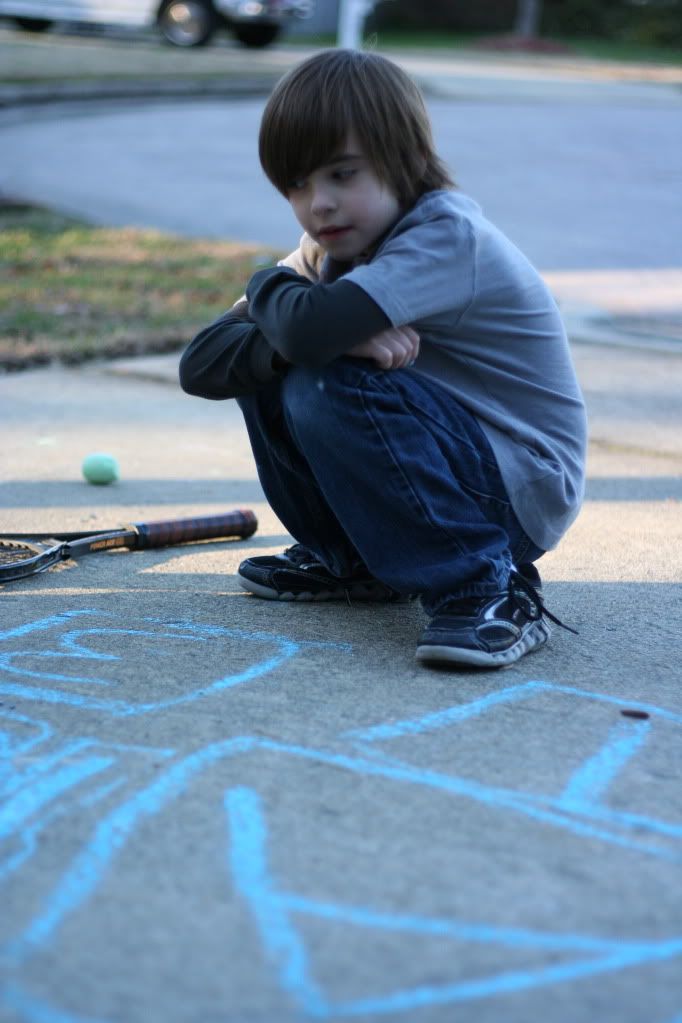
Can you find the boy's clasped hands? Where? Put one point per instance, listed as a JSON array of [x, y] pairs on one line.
[[393, 348]]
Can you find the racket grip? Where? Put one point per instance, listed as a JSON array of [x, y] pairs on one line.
[[241, 523]]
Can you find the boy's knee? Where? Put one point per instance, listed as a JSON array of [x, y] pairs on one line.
[[313, 395], [298, 388]]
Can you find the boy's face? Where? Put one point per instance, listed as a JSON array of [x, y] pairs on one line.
[[343, 205]]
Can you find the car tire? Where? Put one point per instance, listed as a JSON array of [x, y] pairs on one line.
[[187, 22], [33, 24], [256, 36]]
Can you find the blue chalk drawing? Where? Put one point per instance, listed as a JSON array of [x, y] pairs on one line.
[[35, 1010], [250, 872], [72, 649], [277, 911], [39, 772], [580, 808], [10, 743], [591, 781], [44, 776], [89, 867], [513, 694], [274, 912]]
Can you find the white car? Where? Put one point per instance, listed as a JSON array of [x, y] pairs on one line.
[[181, 22]]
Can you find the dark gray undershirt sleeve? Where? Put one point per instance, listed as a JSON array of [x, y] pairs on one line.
[[286, 320], [311, 324], [228, 359]]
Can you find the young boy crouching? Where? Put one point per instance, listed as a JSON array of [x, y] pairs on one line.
[[405, 377]]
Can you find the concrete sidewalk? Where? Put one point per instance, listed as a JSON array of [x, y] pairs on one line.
[[219, 808]]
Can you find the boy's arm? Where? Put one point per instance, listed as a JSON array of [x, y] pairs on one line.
[[312, 324], [229, 358], [254, 342]]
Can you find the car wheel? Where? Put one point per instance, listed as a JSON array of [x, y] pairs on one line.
[[187, 22], [256, 35], [33, 24]]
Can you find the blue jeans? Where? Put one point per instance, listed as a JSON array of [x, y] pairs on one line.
[[386, 470]]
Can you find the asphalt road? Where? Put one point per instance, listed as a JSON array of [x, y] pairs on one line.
[[581, 175]]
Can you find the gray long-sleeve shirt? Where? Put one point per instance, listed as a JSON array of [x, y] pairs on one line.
[[490, 333]]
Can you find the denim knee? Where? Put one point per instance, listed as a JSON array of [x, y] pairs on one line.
[[313, 397]]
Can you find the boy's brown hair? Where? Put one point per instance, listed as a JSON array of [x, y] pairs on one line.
[[312, 109]]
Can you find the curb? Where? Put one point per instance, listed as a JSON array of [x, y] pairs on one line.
[[86, 92], [598, 331]]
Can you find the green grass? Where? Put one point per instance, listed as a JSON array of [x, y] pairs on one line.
[[602, 49], [606, 49], [71, 292]]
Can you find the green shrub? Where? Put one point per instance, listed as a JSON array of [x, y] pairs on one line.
[[657, 22], [647, 22], [447, 15]]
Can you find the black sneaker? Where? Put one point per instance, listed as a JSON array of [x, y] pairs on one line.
[[298, 575], [531, 575], [489, 632]]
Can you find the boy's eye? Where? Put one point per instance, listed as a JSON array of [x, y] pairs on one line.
[[344, 174], [297, 184]]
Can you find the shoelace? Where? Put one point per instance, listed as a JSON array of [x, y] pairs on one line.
[[302, 557], [518, 582]]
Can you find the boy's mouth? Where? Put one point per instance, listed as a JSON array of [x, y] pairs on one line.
[[327, 233]]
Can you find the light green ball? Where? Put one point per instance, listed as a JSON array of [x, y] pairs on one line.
[[100, 468]]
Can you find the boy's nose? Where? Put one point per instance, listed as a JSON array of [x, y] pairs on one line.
[[322, 201]]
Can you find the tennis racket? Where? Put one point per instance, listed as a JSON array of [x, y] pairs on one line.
[[24, 554]]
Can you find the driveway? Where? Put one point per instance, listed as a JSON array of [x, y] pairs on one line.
[[215, 808]]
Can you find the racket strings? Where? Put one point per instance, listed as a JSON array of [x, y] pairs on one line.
[[12, 551]]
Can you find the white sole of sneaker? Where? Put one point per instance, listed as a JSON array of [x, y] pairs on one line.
[[531, 640]]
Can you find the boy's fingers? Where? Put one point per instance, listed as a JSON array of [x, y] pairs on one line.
[[384, 357], [402, 353], [393, 348], [411, 339], [407, 341]]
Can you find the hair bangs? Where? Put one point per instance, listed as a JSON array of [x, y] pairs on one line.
[[313, 108], [302, 129]]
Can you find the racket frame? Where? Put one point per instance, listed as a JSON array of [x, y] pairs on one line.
[[241, 524]]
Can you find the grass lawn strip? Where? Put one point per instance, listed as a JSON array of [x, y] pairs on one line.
[[70, 291]]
